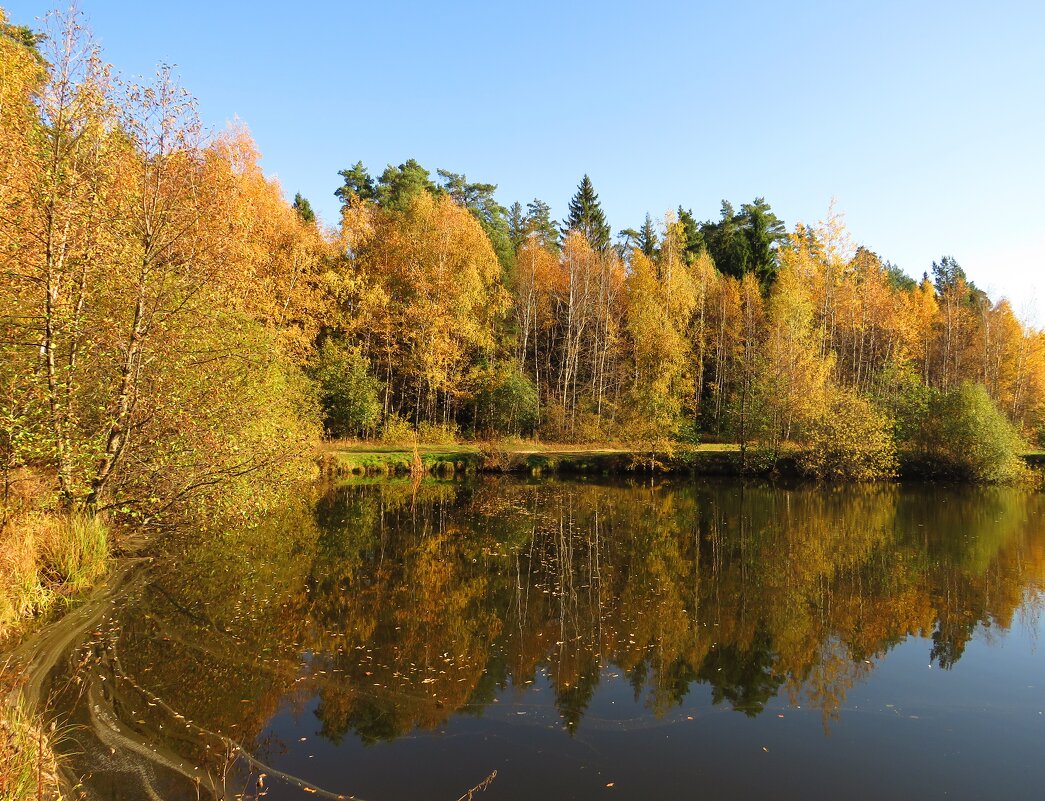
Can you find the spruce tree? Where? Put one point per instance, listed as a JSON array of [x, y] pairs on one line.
[[587, 217], [765, 232], [516, 225], [648, 237]]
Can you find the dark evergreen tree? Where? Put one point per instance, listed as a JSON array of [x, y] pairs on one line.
[[897, 278], [397, 185], [644, 239], [947, 273], [726, 243], [358, 183], [946, 276], [692, 239], [764, 231], [746, 241], [516, 225], [648, 239], [587, 217], [539, 223], [304, 208]]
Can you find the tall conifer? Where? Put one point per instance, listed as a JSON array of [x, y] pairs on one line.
[[587, 217]]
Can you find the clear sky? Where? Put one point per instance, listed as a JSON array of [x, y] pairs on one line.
[[924, 120]]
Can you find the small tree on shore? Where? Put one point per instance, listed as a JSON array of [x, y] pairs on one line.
[[967, 437]]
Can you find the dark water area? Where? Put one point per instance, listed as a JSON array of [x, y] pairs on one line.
[[399, 642]]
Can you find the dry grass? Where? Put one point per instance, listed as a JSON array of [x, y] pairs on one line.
[[28, 768], [45, 555]]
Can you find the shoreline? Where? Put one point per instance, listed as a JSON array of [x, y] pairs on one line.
[[713, 459], [375, 459]]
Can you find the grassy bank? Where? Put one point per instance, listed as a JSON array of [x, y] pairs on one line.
[[374, 458], [47, 555], [360, 458], [45, 559], [340, 459]]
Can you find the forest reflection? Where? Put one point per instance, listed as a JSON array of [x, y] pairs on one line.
[[398, 605]]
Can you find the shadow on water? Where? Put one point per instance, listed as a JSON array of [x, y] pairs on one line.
[[455, 624]]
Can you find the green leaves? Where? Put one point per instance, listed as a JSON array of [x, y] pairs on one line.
[[350, 395], [966, 436]]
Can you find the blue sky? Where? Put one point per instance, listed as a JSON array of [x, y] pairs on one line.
[[924, 120]]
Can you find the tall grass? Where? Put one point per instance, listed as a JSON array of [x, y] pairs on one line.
[[77, 554], [44, 558], [28, 768]]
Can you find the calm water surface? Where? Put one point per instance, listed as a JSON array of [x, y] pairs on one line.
[[398, 642]]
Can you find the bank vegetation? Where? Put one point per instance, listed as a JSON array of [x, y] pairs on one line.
[[175, 336]]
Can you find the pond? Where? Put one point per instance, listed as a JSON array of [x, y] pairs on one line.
[[514, 639]]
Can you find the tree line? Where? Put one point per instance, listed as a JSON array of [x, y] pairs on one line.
[[171, 328], [461, 314]]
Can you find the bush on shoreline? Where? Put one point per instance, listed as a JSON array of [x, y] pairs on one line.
[[964, 436], [851, 441]]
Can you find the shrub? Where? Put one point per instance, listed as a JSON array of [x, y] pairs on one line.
[[850, 440], [396, 430], [505, 400], [905, 398], [437, 434], [964, 435]]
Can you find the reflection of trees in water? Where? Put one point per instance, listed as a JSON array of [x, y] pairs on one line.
[[415, 602]]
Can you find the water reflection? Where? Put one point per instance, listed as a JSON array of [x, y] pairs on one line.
[[390, 608]]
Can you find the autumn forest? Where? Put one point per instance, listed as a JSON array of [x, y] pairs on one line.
[[720, 430], [171, 324]]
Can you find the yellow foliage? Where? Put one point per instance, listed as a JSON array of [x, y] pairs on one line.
[[850, 440], [429, 290]]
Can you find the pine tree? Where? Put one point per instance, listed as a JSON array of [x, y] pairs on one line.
[[397, 185], [644, 239], [691, 240], [358, 183], [539, 223], [587, 217], [303, 208]]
